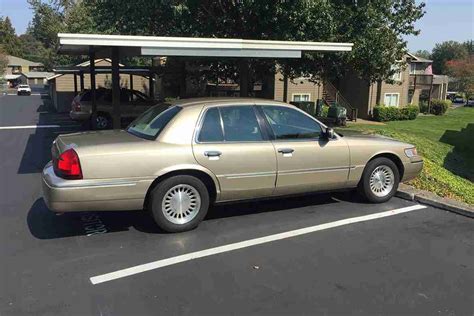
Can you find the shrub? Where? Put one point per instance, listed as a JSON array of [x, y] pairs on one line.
[[423, 107], [384, 113], [439, 107], [409, 112], [324, 111]]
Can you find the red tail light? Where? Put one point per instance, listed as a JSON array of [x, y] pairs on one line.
[[67, 165], [76, 106]]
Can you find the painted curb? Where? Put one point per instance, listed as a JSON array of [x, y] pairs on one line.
[[424, 197]]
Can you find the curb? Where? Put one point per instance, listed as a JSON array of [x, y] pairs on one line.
[[408, 192]]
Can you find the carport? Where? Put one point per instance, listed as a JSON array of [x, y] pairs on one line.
[[116, 46], [78, 73]]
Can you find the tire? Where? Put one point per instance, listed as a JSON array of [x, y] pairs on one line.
[[165, 210], [103, 121], [385, 177]]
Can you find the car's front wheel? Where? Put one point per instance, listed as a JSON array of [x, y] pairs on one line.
[[179, 203], [380, 180], [103, 121]]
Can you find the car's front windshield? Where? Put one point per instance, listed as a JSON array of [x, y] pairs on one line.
[[151, 122]]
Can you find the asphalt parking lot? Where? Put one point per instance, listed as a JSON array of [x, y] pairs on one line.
[[348, 259]]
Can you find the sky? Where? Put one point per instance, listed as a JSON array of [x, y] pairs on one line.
[[444, 20]]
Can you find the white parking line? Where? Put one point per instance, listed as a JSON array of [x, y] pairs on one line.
[[40, 126], [42, 94], [29, 126], [244, 244]]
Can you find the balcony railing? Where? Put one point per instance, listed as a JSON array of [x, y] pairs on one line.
[[420, 80]]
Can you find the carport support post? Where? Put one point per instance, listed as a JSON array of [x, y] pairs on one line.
[[92, 79], [81, 80], [244, 77], [75, 84], [115, 88], [151, 85]]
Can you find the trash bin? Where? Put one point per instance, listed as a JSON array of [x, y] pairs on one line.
[[339, 114]]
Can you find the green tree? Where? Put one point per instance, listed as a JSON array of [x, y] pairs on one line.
[[442, 52], [47, 22], [423, 54], [375, 27], [469, 44], [3, 61], [8, 38]]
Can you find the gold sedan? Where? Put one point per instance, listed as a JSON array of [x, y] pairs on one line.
[[178, 158]]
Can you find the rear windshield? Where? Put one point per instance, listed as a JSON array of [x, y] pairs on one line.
[[151, 122], [23, 86]]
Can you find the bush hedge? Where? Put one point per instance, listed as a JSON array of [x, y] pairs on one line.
[[384, 113], [438, 107]]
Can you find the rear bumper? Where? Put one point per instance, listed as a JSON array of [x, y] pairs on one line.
[[412, 169], [79, 116], [61, 195]]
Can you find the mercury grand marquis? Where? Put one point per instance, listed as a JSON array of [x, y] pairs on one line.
[[178, 158]]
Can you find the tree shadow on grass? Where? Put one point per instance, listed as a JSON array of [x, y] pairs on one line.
[[460, 160]]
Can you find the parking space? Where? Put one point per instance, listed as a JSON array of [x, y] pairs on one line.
[[348, 259]]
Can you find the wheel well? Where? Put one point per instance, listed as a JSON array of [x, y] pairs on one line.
[[396, 160], [104, 113], [204, 177]]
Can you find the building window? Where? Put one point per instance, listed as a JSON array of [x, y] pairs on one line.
[[301, 97], [412, 68], [397, 76], [391, 99]]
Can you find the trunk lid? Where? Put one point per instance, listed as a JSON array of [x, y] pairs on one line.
[[83, 141]]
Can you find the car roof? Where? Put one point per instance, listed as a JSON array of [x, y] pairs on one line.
[[200, 102]]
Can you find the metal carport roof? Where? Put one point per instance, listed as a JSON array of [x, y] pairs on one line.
[[79, 44]]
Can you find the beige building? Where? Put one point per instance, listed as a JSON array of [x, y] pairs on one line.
[[20, 70], [67, 83], [414, 84], [299, 89]]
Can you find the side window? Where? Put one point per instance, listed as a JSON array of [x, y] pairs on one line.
[[211, 130], [240, 123], [288, 123]]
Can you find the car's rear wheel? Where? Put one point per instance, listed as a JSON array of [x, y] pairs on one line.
[[380, 180], [179, 203]]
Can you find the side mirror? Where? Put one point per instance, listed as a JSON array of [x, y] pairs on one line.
[[329, 133]]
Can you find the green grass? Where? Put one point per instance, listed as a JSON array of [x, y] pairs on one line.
[[447, 145]]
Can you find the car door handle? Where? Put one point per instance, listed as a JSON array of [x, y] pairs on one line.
[[286, 150], [213, 153]]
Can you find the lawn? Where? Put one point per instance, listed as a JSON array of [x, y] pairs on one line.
[[447, 145]]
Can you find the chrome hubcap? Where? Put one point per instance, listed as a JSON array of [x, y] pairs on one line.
[[101, 122], [181, 204], [382, 180]]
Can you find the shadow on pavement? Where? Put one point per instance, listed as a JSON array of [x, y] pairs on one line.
[[44, 224], [38, 147], [460, 160], [270, 205]]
